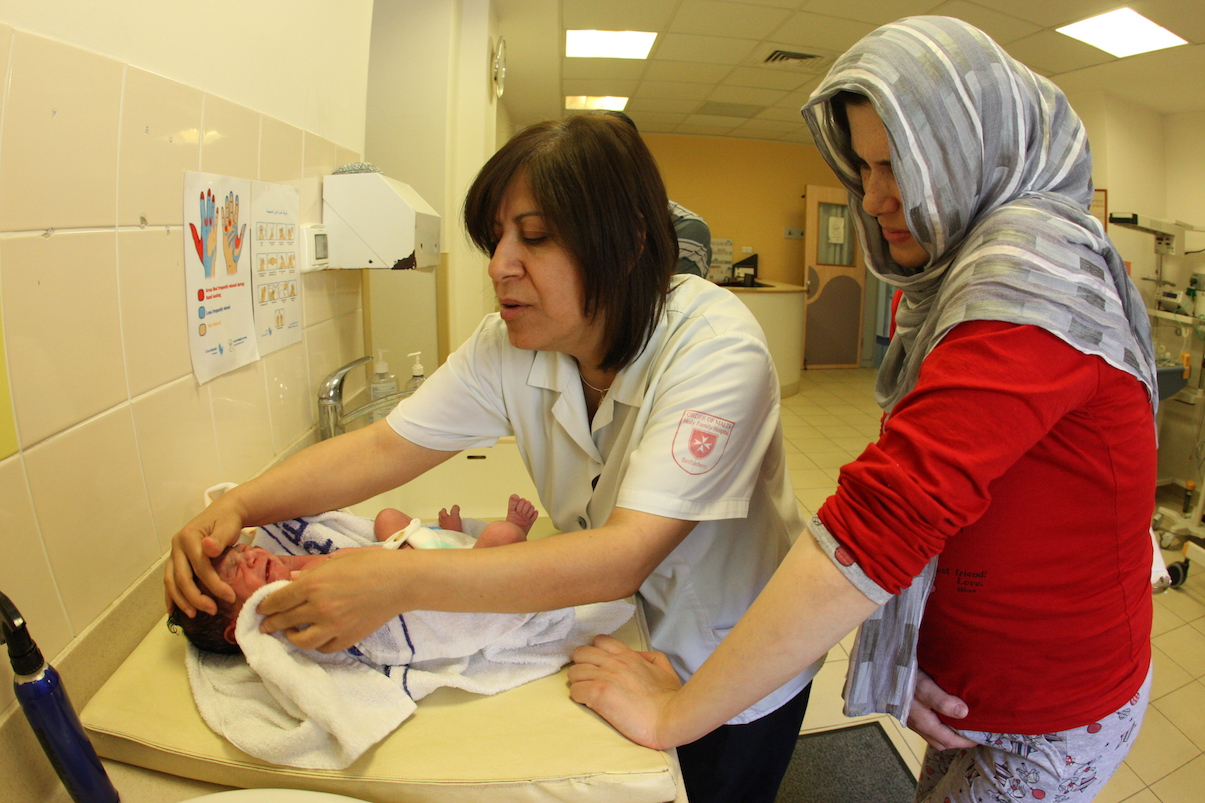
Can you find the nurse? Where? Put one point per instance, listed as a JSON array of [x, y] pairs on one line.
[[1008, 498], [645, 406]]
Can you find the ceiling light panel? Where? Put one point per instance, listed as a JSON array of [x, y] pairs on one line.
[[1122, 33], [591, 103], [608, 44]]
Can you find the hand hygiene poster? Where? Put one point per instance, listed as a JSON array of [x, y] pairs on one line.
[[276, 290], [218, 274]]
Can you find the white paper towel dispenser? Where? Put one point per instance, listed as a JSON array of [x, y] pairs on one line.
[[373, 221]]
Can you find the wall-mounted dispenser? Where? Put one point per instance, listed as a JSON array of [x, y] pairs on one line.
[[373, 221]]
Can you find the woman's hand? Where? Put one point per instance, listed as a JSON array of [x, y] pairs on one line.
[[335, 604], [631, 690], [193, 550], [927, 702]]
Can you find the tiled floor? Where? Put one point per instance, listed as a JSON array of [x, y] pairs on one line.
[[827, 424]]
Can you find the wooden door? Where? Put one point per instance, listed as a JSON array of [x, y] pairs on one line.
[[836, 282]]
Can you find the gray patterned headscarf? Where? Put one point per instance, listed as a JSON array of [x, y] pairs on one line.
[[994, 170], [996, 176]]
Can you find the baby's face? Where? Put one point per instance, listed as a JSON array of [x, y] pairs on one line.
[[247, 569]]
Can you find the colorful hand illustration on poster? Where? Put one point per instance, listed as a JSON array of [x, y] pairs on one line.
[[220, 313]]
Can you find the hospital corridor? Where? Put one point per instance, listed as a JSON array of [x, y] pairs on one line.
[[827, 424]]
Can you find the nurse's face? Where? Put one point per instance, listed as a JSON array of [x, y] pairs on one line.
[[882, 199], [538, 282]]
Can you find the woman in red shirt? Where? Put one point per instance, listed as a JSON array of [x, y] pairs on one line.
[[995, 538]]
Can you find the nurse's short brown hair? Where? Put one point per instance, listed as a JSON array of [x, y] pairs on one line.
[[600, 193]]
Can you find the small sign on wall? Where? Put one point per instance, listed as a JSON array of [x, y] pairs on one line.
[[221, 329]]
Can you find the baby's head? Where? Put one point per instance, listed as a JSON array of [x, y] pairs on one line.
[[246, 569]]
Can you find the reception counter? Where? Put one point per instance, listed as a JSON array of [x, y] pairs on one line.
[[778, 307]]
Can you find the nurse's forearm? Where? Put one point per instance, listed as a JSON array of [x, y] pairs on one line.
[[805, 609], [560, 571]]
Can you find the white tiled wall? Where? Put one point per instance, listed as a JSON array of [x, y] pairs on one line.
[[117, 440]]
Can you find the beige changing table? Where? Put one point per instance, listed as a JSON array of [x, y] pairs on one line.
[[529, 744]]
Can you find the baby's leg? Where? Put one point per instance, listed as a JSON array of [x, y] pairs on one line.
[[521, 514], [451, 521], [388, 522]]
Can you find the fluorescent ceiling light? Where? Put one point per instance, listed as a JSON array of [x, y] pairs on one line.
[[590, 103], [1123, 32], [608, 44]]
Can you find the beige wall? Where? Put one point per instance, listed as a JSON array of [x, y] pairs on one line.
[[747, 191], [116, 439]]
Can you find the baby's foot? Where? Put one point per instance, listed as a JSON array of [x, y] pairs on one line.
[[451, 521], [521, 513], [388, 522]]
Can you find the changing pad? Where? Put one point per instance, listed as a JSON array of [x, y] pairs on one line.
[[531, 743]]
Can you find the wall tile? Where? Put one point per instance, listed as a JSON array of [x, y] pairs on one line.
[[240, 415], [330, 347], [291, 394], [64, 340], [321, 155], [154, 319], [25, 571], [91, 504], [280, 151], [58, 156], [328, 294], [230, 145], [179, 452], [160, 139], [345, 156]]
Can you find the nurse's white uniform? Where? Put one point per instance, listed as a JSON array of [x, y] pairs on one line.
[[689, 430]]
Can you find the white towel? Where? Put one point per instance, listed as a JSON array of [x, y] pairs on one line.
[[307, 709]]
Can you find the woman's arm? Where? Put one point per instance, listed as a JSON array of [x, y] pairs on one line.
[[806, 608], [328, 475], [350, 596]]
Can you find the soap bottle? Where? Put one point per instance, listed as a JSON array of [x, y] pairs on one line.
[[44, 700], [416, 372], [382, 384]]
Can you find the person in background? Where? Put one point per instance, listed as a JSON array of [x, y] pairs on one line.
[[645, 406], [694, 236], [995, 538]]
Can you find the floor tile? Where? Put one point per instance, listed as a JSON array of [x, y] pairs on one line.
[[1185, 785], [1160, 749], [1122, 786], [1186, 646], [1169, 675], [1185, 708]]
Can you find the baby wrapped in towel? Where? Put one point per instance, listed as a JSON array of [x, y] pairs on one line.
[[308, 709]]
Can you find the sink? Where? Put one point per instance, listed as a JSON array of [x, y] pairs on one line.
[[1171, 379]]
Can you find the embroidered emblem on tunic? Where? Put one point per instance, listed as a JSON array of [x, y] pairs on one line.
[[700, 440]]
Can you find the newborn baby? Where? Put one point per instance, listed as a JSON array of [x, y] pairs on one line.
[[247, 569]]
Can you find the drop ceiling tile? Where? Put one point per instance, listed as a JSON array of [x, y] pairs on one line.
[[782, 114], [716, 120], [603, 68], [795, 100], [681, 90], [1004, 28], [1055, 53], [727, 19], [822, 34], [617, 15], [692, 71], [804, 136], [876, 12], [767, 79], [657, 121], [777, 127], [601, 86], [1048, 14], [643, 105], [704, 130], [705, 49], [745, 94]]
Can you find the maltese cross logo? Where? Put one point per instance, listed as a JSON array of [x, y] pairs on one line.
[[701, 443]]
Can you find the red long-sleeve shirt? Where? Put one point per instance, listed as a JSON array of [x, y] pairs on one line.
[[1030, 468]]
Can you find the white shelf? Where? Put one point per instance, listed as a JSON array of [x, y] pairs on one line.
[[1171, 316]]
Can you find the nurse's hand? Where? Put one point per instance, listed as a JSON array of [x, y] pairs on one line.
[[193, 550], [631, 690], [335, 604], [928, 701]]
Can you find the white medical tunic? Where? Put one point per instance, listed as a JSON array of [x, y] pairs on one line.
[[689, 430]]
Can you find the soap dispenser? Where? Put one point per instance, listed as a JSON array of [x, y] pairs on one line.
[[416, 372], [44, 700], [382, 384]]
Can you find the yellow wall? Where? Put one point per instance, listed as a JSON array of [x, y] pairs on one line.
[[747, 191]]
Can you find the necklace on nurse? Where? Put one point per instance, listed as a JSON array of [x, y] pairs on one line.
[[602, 391]]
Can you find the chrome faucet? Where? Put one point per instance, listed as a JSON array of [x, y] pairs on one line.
[[331, 419]]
